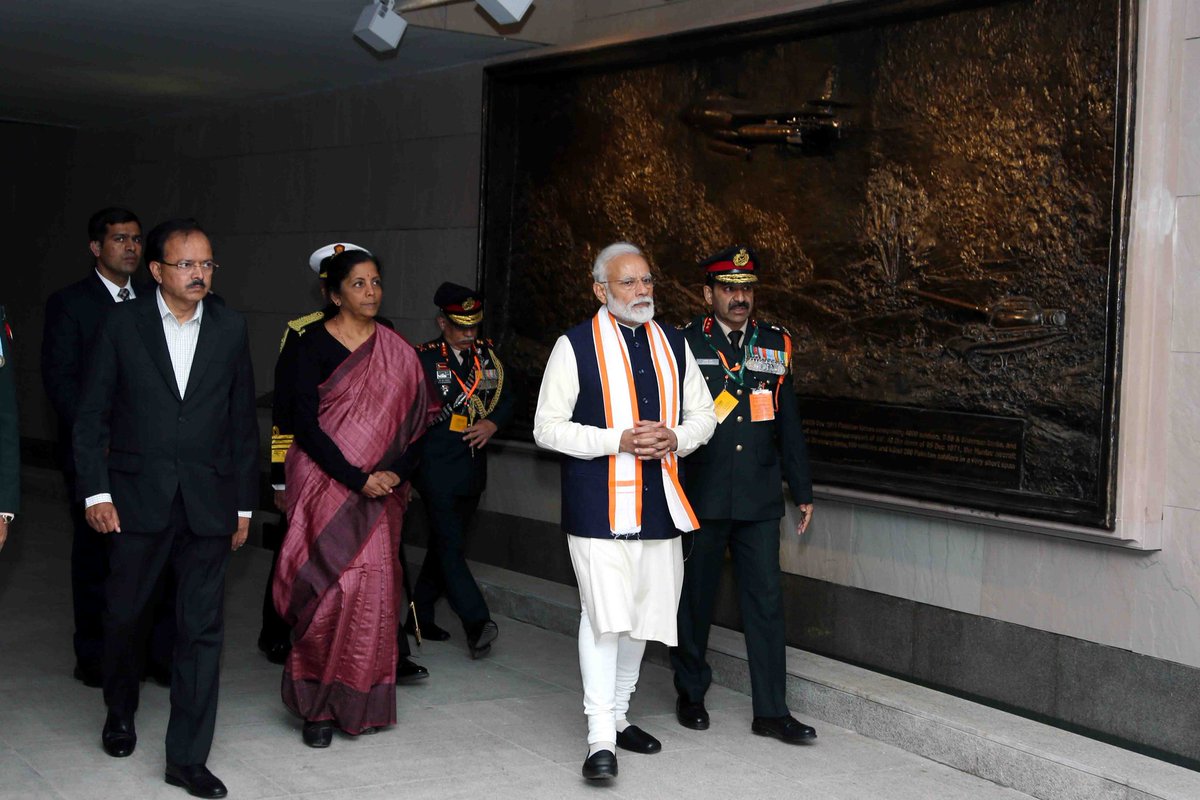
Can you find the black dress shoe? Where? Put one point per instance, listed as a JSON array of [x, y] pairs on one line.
[[276, 652], [691, 715], [198, 781], [601, 766], [317, 734], [118, 737], [429, 630], [408, 671], [89, 676], [479, 641], [786, 729], [637, 740]]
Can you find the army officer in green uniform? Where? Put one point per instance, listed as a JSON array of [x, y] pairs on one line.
[[735, 486], [10, 448], [469, 379]]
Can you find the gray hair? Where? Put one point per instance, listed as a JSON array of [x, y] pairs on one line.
[[608, 254]]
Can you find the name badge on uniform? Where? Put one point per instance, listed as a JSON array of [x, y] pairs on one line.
[[444, 376], [760, 364], [458, 422], [707, 362], [489, 380], [762, 405], [724, 404]]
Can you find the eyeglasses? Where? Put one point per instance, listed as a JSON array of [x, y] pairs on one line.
[[187, 266], [629, 283]]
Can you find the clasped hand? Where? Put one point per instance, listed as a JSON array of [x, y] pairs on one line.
[[649, 440], [381, 484]]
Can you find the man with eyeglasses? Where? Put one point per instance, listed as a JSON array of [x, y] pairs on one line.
[[73, 318], [622, 400], [735, 482], [166, 448]]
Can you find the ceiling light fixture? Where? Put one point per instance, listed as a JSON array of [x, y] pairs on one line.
[[379, 27], [503, 12]]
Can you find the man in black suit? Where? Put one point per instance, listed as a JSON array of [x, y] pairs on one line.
[[73, 317], [453, 471], [735, 483], [166, 448]]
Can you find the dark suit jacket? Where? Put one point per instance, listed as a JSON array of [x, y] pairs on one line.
[[447, 464], [73, 317], [10, 439], [205, 444], [739, 473]]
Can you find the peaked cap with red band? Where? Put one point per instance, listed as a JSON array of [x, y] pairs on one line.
[[735, 264], [462, 306]]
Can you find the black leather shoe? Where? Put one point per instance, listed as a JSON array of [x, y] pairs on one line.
[[429, 630], [480, 641], [118, 737], [601, 766], [88, 676], [276, 652], [786, 729], [691, 715], [408, 671], [317, 734], [637, 740], [198, 781]]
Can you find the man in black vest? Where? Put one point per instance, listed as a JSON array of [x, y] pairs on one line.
[[166, 449], [73, 318], [622, 400], [735, 485], [469, 379]]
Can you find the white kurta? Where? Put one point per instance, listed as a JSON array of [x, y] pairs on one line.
[[625, 585]]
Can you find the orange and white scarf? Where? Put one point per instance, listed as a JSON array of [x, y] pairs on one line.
[[621, 412]]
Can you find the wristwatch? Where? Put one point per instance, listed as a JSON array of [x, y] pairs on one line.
[[7, 517]]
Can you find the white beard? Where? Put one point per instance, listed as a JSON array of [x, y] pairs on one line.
[[639, 312]]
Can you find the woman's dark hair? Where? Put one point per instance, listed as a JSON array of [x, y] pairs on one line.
[[335, 268]]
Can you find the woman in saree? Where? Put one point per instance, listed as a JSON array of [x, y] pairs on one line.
[[361, 404]]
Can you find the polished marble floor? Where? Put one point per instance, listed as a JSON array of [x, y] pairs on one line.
[[509, 726]]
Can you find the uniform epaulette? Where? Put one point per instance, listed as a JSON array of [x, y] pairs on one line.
[[427, 346], [687, 326], [771, 326], [300, 323], [486, 342]]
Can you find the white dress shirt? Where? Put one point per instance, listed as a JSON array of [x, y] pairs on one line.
[[113, 289], [554, 430], [181, 339], [181, 345]]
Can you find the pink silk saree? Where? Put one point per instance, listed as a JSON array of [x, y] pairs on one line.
[[338, 579]]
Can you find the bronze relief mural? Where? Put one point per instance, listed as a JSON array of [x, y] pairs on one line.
[[937, 192]]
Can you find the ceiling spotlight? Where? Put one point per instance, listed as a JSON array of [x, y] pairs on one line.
[[505, 12], [379, 27]]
